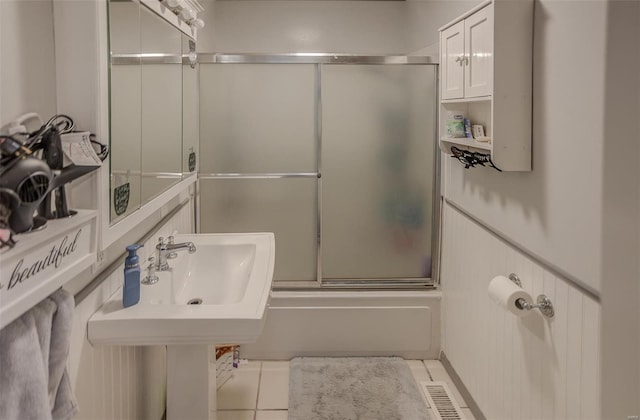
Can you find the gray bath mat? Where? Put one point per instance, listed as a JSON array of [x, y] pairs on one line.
[[356, 388]]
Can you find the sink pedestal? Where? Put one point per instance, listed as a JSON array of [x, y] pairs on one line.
[[191, 389]]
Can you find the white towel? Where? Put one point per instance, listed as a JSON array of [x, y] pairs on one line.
[[34, 383]]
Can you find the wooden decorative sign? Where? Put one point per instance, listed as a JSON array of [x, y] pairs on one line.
[[43, 261]]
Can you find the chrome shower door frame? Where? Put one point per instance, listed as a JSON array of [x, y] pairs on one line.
[[318, 60]]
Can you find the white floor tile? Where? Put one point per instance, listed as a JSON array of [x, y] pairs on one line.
[[433, 364], [235, 415], [240, 392], [419, 371], [274, 386], [440, 374], [272, 415]]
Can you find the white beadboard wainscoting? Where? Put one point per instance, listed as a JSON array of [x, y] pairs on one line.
[[516, 368], [120, 382]]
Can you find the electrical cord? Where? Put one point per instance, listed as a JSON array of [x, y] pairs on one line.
[[60, 122], [12, 150], [104, 149]]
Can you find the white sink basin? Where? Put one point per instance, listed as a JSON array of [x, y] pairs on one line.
[[230, 274]]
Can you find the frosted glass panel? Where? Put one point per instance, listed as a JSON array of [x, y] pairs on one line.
[[257, 118], [286, 207], [377, 174]]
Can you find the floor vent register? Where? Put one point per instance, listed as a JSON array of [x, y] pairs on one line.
[[441, 401]]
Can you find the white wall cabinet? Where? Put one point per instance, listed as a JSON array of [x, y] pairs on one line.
[[478, 47], [452, 62], [466, 51], [486, 74]]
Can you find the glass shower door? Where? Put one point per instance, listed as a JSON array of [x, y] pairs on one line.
[[336, 158], [378, 157], [258, 170]]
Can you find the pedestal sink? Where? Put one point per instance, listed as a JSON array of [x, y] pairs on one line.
[[217, 295]]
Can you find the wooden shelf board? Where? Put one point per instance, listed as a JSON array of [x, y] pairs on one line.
[[463, 141], [467, 100]]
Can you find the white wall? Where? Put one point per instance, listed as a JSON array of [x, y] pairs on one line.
[[27, 59], [351, 27], [578, 210], [424, 17], [621, 214], [273, 26]]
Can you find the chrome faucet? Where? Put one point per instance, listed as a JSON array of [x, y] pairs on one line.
[[164, 249]]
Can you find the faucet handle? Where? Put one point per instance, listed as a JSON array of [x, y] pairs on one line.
[[161, 241], [171, 255], [151, 278]]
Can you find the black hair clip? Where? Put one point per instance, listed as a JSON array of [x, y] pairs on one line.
[[463, 156], [471, 159]]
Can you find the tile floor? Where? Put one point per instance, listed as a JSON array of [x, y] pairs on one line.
[[260, 390]]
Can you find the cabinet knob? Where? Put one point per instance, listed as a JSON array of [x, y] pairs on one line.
[[462, 59]]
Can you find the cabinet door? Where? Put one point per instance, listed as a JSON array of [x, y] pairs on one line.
[[478, 46], [451, 62]]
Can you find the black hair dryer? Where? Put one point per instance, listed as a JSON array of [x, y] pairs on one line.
[[23, 185]]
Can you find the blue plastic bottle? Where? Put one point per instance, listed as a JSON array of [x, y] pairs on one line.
[[131, 288]]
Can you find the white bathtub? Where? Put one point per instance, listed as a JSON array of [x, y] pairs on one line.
[[349, 323]]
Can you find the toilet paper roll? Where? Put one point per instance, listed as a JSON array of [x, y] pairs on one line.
[[505, 293]]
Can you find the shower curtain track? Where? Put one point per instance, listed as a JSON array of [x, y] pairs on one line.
[[313, 58]]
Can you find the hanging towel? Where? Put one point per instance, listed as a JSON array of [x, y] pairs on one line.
[[61, 398], [34, 383]]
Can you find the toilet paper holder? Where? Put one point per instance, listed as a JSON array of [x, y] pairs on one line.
[[542, 302]]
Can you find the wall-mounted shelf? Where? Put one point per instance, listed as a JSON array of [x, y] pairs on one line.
[[466, 100], [466, 142], [486, 75], [43, 261]]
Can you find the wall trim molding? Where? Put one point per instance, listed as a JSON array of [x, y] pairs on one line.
[[471, 403], [562, 274]]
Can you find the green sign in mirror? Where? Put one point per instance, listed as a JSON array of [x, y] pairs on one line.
[[121, 195]]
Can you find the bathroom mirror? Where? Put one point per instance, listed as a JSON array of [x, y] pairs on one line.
[[125, 93], [152, 134]]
